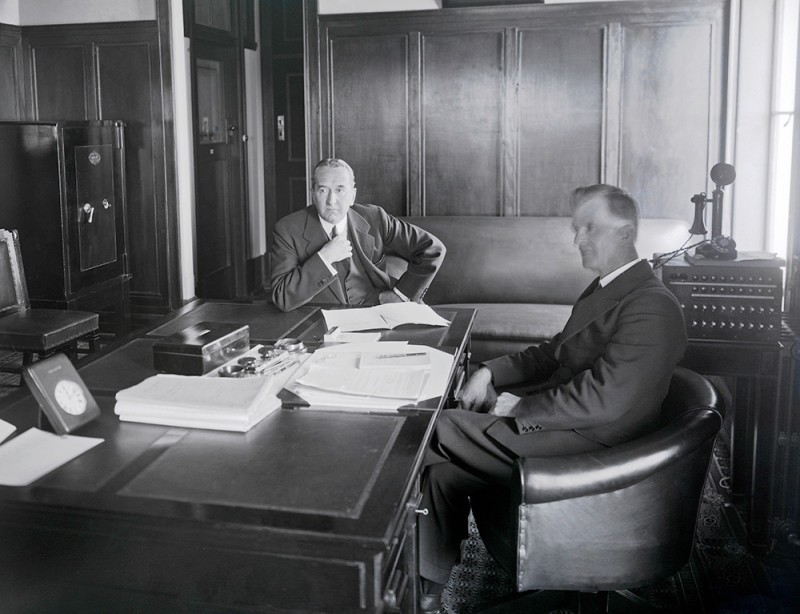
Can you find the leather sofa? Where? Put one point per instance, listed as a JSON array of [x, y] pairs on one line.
[[522, 274]]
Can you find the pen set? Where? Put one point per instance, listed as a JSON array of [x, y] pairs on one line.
[[271, 362]]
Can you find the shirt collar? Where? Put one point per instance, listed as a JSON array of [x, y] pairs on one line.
[[604, 281], [341, 226]]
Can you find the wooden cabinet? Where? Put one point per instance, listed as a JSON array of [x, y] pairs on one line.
[[503, 111], [63, 186], [115, 71]]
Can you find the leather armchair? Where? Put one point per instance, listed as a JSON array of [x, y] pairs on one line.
[[613, 519]]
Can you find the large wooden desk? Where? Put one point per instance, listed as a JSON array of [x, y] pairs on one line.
[[308, 512]]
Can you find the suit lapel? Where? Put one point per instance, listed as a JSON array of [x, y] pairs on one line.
[[314, 238], [363, 244], [594, 303]]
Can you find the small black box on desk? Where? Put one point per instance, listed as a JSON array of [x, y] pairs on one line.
[[200, 348]]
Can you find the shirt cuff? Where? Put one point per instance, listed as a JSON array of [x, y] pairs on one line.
[[401, 295], [327, 264]]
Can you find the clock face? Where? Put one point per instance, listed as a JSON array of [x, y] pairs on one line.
[[70, 397]]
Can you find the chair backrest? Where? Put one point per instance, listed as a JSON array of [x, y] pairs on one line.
[[615, 518], [13, 289]]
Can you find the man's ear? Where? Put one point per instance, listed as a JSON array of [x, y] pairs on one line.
[[627, 233]]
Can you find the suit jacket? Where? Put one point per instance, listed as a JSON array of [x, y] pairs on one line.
[[299, 274], [606, 374]]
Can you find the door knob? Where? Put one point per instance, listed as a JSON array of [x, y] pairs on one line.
[[88, 212]]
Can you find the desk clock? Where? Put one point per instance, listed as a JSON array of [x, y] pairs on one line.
[[61, 393]]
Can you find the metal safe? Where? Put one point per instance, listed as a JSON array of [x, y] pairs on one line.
[[62, 186]]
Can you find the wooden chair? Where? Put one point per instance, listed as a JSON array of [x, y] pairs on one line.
[[35, 332], [584, 526]]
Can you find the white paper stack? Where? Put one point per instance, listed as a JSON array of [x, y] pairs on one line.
[[228, 404], [371, 377]]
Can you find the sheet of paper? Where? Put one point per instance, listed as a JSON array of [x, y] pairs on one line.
[[379, 317], [6, 428], [347, 356], [350, 320], [327, 400], [394, 360], [35, 453], [396, 314], [392, 383], [357, 337]]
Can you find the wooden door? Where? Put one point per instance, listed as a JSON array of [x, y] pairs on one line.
[[219, 189], [286, 29]]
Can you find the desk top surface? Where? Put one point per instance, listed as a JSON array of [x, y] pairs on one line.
[[336, 473]]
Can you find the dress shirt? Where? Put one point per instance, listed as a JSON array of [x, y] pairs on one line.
[[604, 281], [341, 229]]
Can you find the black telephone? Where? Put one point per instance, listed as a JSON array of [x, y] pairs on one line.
[[719, 247]]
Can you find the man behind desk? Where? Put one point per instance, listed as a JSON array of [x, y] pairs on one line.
[[599, 382], [335, 251]]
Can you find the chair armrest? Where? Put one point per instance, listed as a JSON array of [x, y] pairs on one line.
[[543, 479]]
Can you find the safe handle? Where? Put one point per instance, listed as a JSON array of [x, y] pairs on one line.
[[88, 213]]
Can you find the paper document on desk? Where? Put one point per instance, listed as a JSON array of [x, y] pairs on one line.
[[235, 404], [6, 428], [394, 360], [379, 317], [35, 453], [394, 383], [346, 386]]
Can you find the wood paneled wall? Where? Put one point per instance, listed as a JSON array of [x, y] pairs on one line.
[[503, 111], [115, 71], [11, 73]]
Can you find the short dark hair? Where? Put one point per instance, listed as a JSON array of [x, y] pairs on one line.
[[620, 203], [332, 163]]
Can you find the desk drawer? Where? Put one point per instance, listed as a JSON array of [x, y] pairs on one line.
[[400, 568]]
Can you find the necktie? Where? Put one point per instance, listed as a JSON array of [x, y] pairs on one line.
[[342, 266]]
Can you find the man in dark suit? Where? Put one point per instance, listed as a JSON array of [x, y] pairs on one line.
[[598, 383], [334, 252]]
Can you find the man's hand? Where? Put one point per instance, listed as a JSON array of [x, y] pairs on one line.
[[337, 249], [389, 296], [506, 405], [478, 393]]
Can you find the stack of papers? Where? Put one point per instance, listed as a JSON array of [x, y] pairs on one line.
[[381, 317], [228, 404], [371, 377]]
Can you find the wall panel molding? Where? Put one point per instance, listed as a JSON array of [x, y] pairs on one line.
[[12, 100], [514, 106]]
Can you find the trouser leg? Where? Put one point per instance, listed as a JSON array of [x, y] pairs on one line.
[[465, 462]]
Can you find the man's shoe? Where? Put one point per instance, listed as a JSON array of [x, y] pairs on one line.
[[430, 598]]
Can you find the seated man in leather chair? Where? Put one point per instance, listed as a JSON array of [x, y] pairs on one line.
[[598, 383]]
